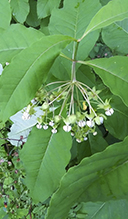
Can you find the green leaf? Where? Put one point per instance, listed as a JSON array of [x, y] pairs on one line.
[[45, 156], [115, 10], [101, 177], [97, 143], [117, 124], [20, 9], [113, 72], [32, 19], [116, 38], [28, 70], [123, 24], [19, 38], [5, 14], [44, 7], [72, 20], [112, 209]]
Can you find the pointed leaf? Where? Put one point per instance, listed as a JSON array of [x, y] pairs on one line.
[[5, 14], [100, 177], [44, 7], [19, 38], [28, 70], [113, 72], [115, 10], [45, 156], [20, 9]]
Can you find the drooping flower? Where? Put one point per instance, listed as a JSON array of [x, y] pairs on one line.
[[54, 130], [81, 123], [51, 123], [67, 128], [39, 126], [45, 127], [78, 140], [109, 112], [90, 123]]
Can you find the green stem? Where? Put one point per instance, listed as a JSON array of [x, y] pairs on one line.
[[66, 57], [73, 70], [64, 102], [92, 92], [60, 94]]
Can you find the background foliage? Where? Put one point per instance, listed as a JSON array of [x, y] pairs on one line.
[[47, 175]]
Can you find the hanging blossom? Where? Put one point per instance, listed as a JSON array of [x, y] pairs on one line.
[[109, 112], [81, 118]]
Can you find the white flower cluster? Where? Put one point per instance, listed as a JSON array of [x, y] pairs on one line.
[[82, 116]]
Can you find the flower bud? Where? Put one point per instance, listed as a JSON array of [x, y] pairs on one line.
[[70, 119], [45, 106], [57, 118]]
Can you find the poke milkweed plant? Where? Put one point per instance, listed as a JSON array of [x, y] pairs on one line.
[[63, 85]]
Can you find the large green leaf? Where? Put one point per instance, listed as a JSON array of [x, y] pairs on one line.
[[115, 10], [5, 14], [103, 210], [100, 177], [20, 9], [114, 73], [72, 20], [116, 38], [19, 38], [28, 70], [45, 156], [44, 7]]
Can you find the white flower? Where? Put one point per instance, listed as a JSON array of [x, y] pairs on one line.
[[94, 133], [90, 123], [78, 140], [85, 138], [54, 130], [81, 123], [67, 128], [25, 116], [39, 126], [109, 112], [51, 123], [45, 127], [72, 133], [101, 120]]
